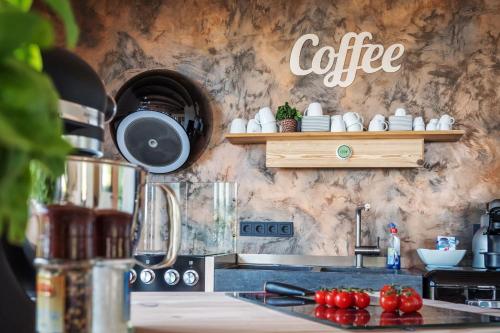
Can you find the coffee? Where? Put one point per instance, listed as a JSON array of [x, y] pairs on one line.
[[112, 234], [67, 233]]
